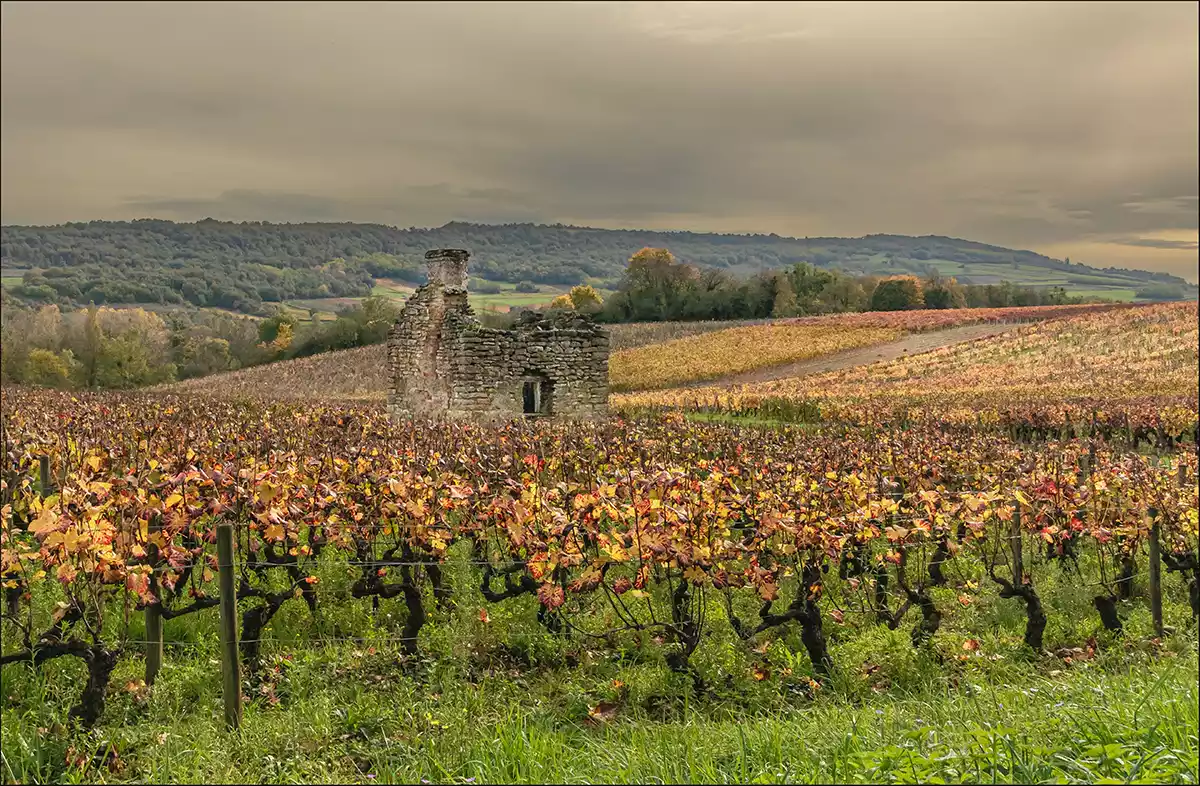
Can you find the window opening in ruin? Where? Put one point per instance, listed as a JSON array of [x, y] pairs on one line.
[[536, 395], [531, 396]]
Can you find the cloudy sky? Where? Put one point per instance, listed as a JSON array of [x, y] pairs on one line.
[[1068, 128]]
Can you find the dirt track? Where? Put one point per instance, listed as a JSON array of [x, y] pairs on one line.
[[909, 345]]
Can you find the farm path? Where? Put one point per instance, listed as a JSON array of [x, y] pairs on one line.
[[912, 344]]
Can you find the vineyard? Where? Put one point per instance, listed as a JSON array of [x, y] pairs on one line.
[[732, 351], [1132, 370], [646, 355], [1018, 508]]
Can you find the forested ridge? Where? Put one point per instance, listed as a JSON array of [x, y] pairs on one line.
[[242, 266]]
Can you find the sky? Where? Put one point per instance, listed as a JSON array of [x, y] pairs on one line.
[[1069, 128]]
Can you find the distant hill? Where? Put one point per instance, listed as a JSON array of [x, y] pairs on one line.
[[241, 266]]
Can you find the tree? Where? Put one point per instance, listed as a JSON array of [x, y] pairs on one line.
[[125, 362], [944, 293], [283, 337], [93, 340], [655, 287], [275, 335], [49, 369], [46, 329], [898, 293], [784, 304], [526, 287], [585, 299], [562, 303], [1160, 292], [203, 355], [483, 287], [375, 316], [843, 294], [808, 283]]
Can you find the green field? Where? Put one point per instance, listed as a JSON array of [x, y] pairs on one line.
[[1116, 293]]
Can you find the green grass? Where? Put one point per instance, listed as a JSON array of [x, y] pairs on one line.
[[350, 715], [505, 702], [1136, 724]]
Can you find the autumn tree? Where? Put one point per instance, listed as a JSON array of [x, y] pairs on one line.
[[585, 299], [49, 369], [944, 293], [898, 293], [203, 355], [784, 303], [655, 287]]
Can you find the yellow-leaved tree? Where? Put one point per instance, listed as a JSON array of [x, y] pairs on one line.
[[586, 299]]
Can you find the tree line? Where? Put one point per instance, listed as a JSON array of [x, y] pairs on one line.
[[115, 348], [249, 266], [657, 287], [101, 347]]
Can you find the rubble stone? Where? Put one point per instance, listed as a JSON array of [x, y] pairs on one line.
[[445, 364]]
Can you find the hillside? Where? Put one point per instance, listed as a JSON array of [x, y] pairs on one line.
[[241, 266], [645, 355], [1111, 363], [361, 373]]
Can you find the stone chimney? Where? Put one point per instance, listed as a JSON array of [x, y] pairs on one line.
[[448, 267]]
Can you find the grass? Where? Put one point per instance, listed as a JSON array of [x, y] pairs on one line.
[[505, 702], [1132, 724]]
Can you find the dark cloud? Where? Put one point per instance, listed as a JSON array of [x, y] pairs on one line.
[[1049, 126]]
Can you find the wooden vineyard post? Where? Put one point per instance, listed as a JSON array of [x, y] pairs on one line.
[[1183, 483], [1155, 575], [154, 630], [44, 475], [1018, 567], [231, 676]]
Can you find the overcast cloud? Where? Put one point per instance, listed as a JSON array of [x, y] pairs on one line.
[[1069, 129]]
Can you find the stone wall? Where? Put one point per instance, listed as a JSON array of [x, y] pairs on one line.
[[444, 363]]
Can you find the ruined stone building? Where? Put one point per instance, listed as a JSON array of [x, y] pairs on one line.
[[444, 363]]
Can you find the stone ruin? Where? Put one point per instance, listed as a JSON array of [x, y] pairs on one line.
[[444, 364]]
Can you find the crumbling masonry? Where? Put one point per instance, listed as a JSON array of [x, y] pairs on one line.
[[445, 364]]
